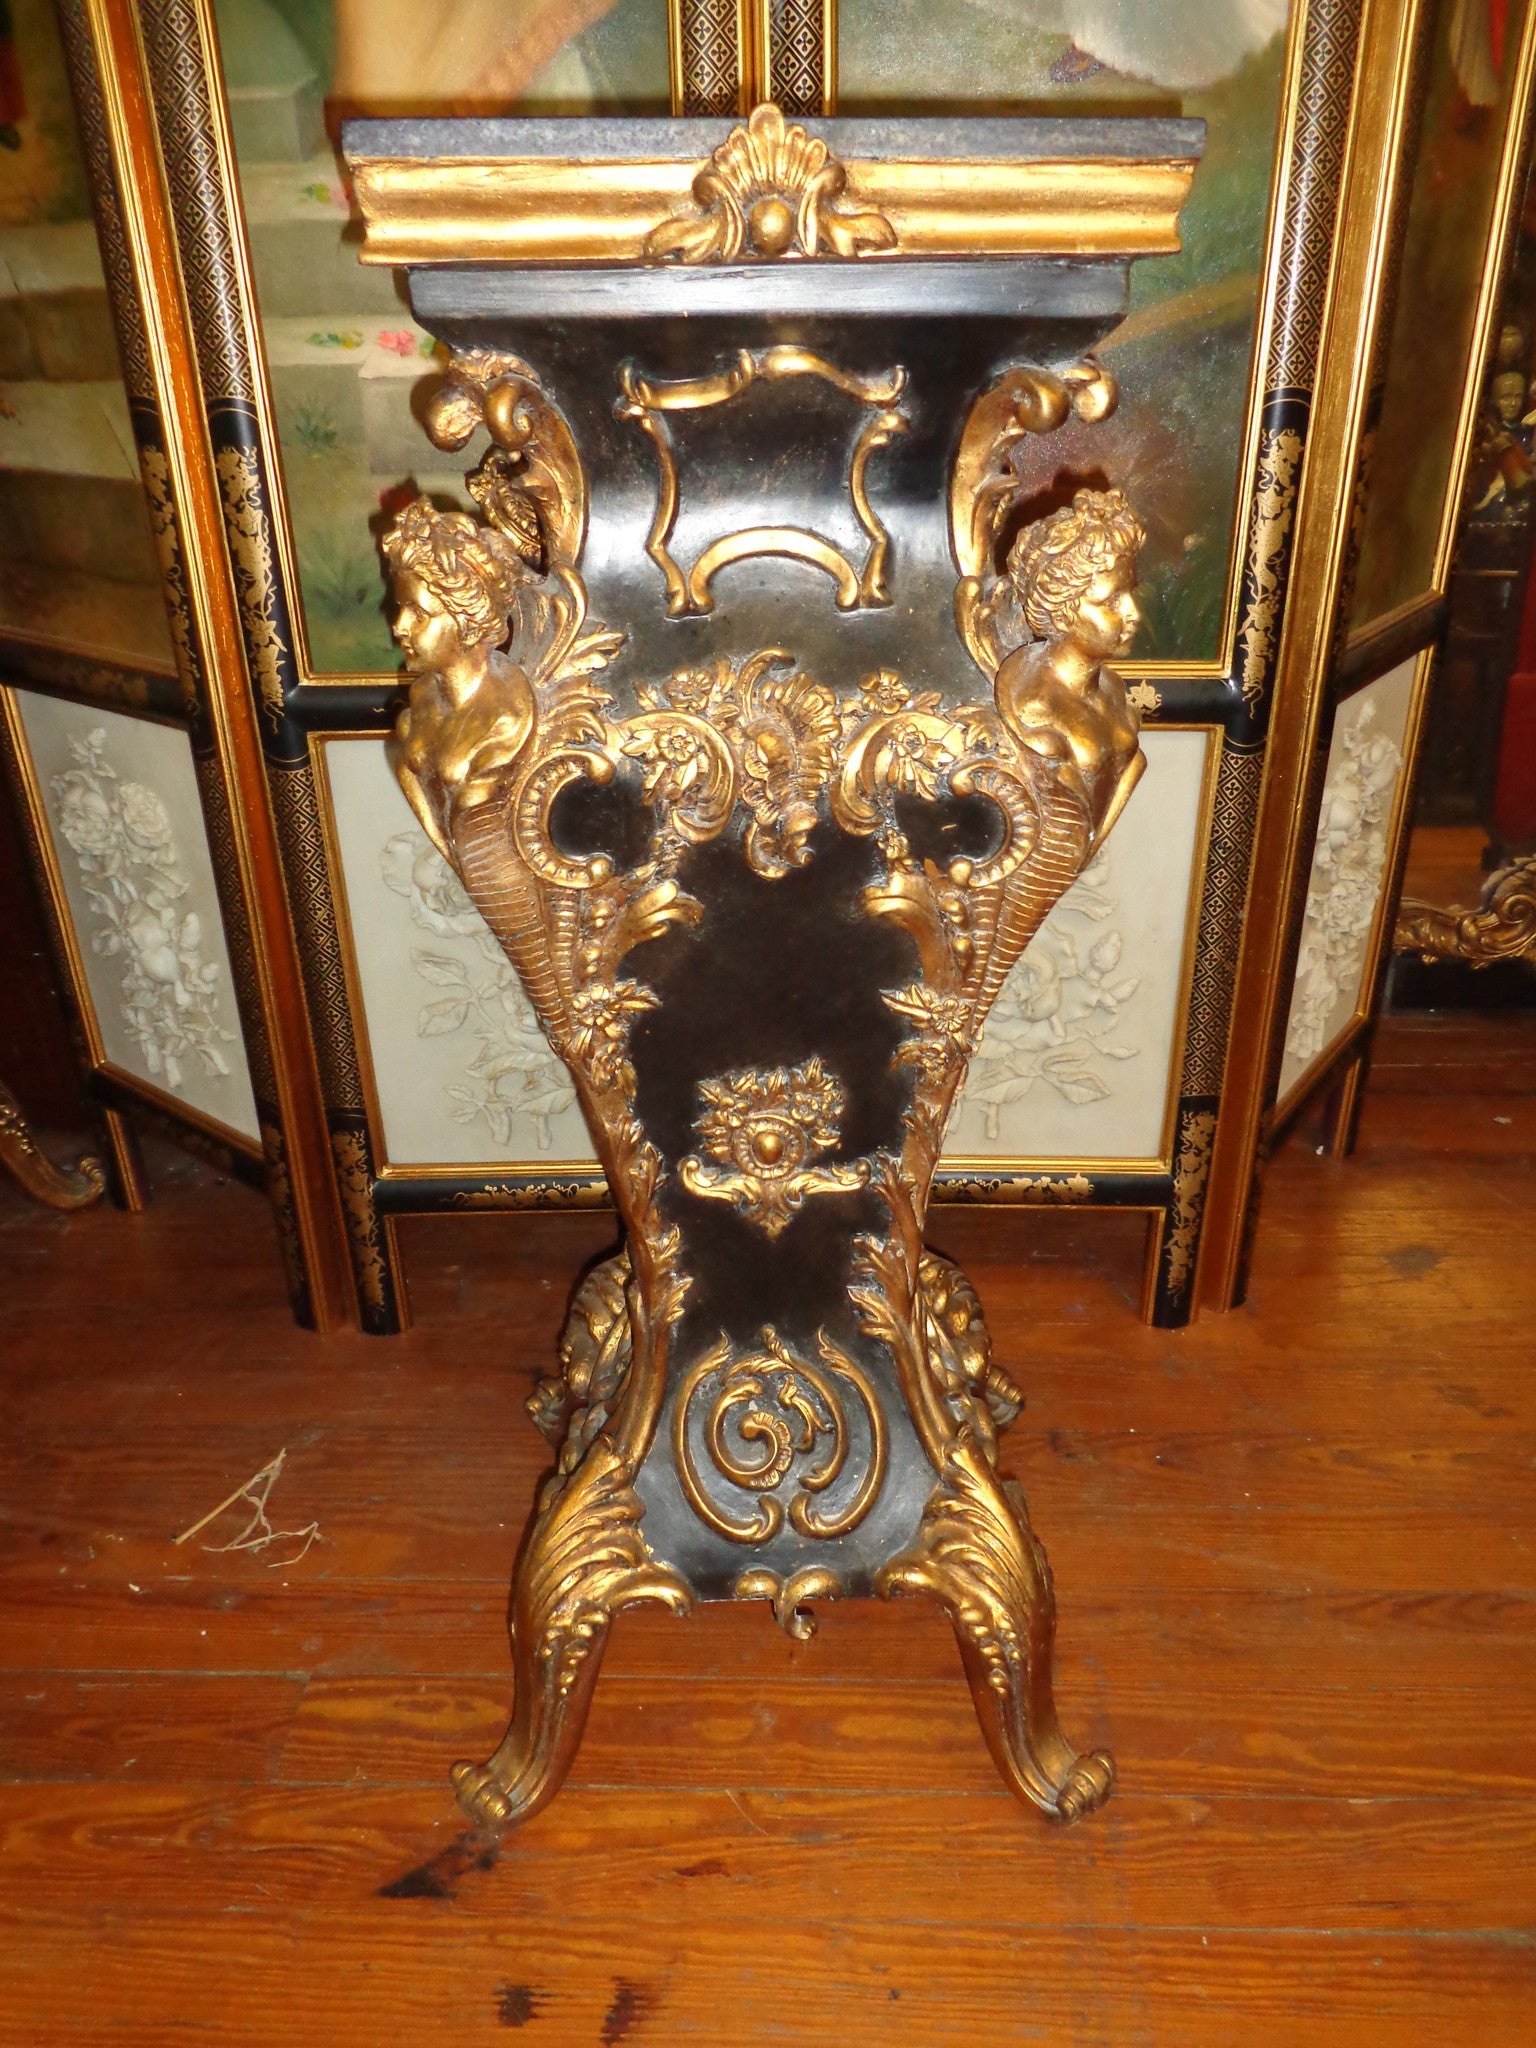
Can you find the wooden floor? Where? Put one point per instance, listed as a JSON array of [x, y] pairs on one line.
[[1295, 1550]]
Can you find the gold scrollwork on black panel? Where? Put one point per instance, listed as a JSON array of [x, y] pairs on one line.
[[648, 401], [773, 1414]]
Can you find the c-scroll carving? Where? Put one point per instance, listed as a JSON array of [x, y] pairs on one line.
[[985, 485], [505, 712], [649, 402]]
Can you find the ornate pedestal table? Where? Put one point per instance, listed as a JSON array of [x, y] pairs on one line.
[[760, 704]]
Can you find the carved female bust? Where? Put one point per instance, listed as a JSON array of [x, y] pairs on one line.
[[471, 708], [1075, 577]]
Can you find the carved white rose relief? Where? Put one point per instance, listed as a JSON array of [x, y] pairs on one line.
[[120, 834], [1059, 1023], [1348, 862], [513, 1075]]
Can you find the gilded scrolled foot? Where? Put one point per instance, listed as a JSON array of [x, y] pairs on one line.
[[584, 1560], [977, 1554], [59, 1187], [482, 1799], [1088, 1785]]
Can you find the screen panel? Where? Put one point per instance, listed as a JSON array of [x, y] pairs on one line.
[[131, 862], [1472, 67], [345, 360], [1183, 354], [78, 568]]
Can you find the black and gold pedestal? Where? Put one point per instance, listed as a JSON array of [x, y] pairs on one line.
[[761, 705]]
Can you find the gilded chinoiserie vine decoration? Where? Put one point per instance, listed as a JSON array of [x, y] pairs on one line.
[[770, 191], [1191, 1170], [250, 547], [649, 401], [169, 1000], [506, 711], [773, 1416], [1349, 859], [354, 1182], [986, 486], [1045, 1187], [1274, 509], [57, 1187], [1502, 927], [767, 1134], [155, 472]]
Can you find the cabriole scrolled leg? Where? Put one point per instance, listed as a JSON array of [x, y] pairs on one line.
[[977, 1554], [584, 1561]]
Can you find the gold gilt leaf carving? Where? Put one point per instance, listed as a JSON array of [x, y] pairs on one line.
[[770, 190], [767, 1133], [506, 710], [1502, 927]]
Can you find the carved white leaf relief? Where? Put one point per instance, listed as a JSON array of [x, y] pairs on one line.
[[1057, 1022], [120, 834], [474, 989], [1345, 886]]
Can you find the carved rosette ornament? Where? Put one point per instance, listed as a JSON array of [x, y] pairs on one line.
[[763, 1135], [778, 1440]]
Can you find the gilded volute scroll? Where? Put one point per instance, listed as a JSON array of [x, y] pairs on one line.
[[763, 865]]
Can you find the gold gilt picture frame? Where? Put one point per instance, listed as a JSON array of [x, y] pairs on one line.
[[1340, 649]]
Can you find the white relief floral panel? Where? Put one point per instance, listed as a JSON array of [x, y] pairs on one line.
[[1075, 1064], [463, 1074], [121, 800], [1349, 858], [1074, 1061]]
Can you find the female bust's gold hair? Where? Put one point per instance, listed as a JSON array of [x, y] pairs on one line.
[[1053, 562], [473, 571]]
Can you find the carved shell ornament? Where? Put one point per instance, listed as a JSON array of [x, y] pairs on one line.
[[770, 190]]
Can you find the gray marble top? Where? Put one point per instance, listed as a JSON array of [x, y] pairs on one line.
[[1018, 138]]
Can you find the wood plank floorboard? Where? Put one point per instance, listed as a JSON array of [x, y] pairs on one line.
[[1295, 1549]]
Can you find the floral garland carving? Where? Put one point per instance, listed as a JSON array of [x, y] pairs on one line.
[[131, 872]]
